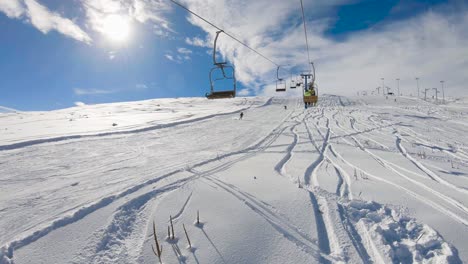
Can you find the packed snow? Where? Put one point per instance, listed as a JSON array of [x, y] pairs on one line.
[[353, 180]]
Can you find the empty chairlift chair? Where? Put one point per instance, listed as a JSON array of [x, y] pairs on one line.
[[293, 84], [280, 83], [221, 72]]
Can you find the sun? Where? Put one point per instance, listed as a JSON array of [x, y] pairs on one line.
[[116, 28]]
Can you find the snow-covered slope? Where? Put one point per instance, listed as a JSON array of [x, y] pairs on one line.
[[354, 180], [107, 119]]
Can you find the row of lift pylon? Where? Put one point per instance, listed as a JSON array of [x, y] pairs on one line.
[[224, 72]]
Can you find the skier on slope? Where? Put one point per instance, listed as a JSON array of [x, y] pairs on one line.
[[241, 115]]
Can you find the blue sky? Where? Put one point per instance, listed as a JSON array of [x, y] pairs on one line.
[[55, 53]]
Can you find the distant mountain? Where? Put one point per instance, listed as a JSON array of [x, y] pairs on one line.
[[4, 110]]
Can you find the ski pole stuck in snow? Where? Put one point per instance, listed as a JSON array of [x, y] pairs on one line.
[[172, 228], [197, 222], [186, 234], [158, 251]]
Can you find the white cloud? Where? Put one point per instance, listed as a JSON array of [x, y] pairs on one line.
[[432, 46], [83, 92], [42, 18], [160, 32], [112, 54], [183, 55], [98, 14], [169, 57], [151, 10], [243, 92], [80, 91], [143, 11], [80, 104], [141, 86], [45, 21], [184, 51], [12, 8], [179, 58], [197, 42]]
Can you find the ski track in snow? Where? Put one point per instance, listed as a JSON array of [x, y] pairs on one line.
[[278, 222], [348, 230], [325, 208], [7, 251], [429, 173], [280, 167], [178, 214], [422, 185], [395, 168], [340, 242], [351, 231]]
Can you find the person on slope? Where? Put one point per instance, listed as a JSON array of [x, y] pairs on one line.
[[241, 115]]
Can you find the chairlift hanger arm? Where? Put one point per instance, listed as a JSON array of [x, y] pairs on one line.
[[277, 73], [313, 72], [214, 48]]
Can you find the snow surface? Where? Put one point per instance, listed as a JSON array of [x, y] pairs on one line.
[[353, 180]]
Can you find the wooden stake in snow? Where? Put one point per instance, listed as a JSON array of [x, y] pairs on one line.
[[420, 237], [186, 234], [158, 251], [198, 217], [172, 228], [168, 232]]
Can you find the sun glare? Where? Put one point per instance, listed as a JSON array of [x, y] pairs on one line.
[[116, 28]]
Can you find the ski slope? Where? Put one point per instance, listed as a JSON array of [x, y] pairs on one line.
[[353, 180]]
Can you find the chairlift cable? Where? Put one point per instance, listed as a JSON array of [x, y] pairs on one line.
[[305, 33], [229, 35]]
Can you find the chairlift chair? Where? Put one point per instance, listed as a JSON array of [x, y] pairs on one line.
[[293, 83], [310, 91], [224, 69], [280, 83], [298, 82]]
